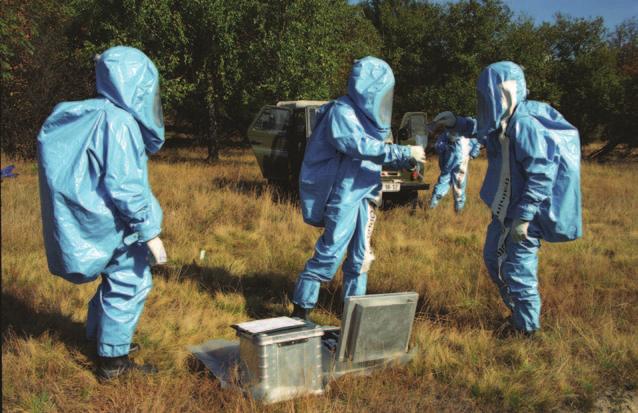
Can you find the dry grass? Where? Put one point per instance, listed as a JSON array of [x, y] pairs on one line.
[[255, 246]]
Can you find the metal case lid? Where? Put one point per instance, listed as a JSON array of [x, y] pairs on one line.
[[283, 336], [376, 326]]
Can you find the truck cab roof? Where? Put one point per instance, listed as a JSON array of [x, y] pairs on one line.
[[300, 104]]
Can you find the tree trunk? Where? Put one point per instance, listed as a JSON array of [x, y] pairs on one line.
[[210, 123], [212, 143], [605, 150]]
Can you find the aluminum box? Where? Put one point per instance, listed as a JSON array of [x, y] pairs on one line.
[[281, 365]]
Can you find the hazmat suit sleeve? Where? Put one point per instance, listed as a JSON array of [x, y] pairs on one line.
[[125, 179], [476, 148], [467, 126], [539, 159], [349, 137], [441, 145]]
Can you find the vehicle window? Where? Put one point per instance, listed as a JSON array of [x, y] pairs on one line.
[[300, 125], [273, 119], [312, 118], [417, 125]]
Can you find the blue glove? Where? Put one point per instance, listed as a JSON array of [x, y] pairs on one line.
[[8, 172]]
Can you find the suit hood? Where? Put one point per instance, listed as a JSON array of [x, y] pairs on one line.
[[500, 88], [129, 79], [371, 87]]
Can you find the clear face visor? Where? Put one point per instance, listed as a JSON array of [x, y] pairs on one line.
[[158, 112], [484, 110], [385, 108]]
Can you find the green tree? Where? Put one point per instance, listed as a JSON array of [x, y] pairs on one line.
[[38, 69], [623, 103], [583, 66], [221, 60], [302, 49], [437, 51], [154, 26]]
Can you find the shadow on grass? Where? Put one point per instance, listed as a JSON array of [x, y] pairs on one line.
[[266, 294], [278, 193], [241, 186], [261, 291], [19, 318]]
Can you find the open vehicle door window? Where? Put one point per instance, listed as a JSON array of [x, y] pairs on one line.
[[413, 129], [268, 136], [272, 119], [311, 118], [418, 129]]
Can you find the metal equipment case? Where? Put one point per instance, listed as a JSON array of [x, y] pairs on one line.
[[281, 365], [283, 359]]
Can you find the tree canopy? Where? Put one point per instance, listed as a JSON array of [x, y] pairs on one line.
[[221, 60]]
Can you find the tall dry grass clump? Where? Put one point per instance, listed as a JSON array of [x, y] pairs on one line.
[[255, 244]]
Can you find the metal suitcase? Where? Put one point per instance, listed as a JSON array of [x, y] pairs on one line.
[[281, 365]]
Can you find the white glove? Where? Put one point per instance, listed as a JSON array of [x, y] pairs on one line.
[[519, 230], [446, 119], [158, 253], [417, 153]]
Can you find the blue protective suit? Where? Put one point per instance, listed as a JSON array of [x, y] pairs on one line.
[[533, 175], [97, 206], [454, 156], [341, 176]]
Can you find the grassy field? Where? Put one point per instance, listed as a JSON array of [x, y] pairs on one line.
[[585, 358]]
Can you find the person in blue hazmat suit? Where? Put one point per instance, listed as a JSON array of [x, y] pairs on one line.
[[99, 215], [340, 180], [532, 184], [454, 153]]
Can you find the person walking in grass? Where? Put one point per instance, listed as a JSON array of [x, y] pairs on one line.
[[532, 184], [99, 215], [340, 180]]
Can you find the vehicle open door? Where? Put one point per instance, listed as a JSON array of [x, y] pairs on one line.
[[268, 136], [311, 119], [413, 129]]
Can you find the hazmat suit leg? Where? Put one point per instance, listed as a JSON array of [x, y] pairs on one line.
[[360, 256], [341, 222], [516, 277], [520, 269], [117, 305], [440, 189], [459, 182], [490, 257]]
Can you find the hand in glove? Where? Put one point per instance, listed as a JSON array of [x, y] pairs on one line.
[[158, 253], [417, 153], [519, 230]]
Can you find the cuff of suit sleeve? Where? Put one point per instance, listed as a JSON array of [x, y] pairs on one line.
[[406, 155], [146, 230], [525, 212]]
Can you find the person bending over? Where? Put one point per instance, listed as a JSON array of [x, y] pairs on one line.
[[454, 153]]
